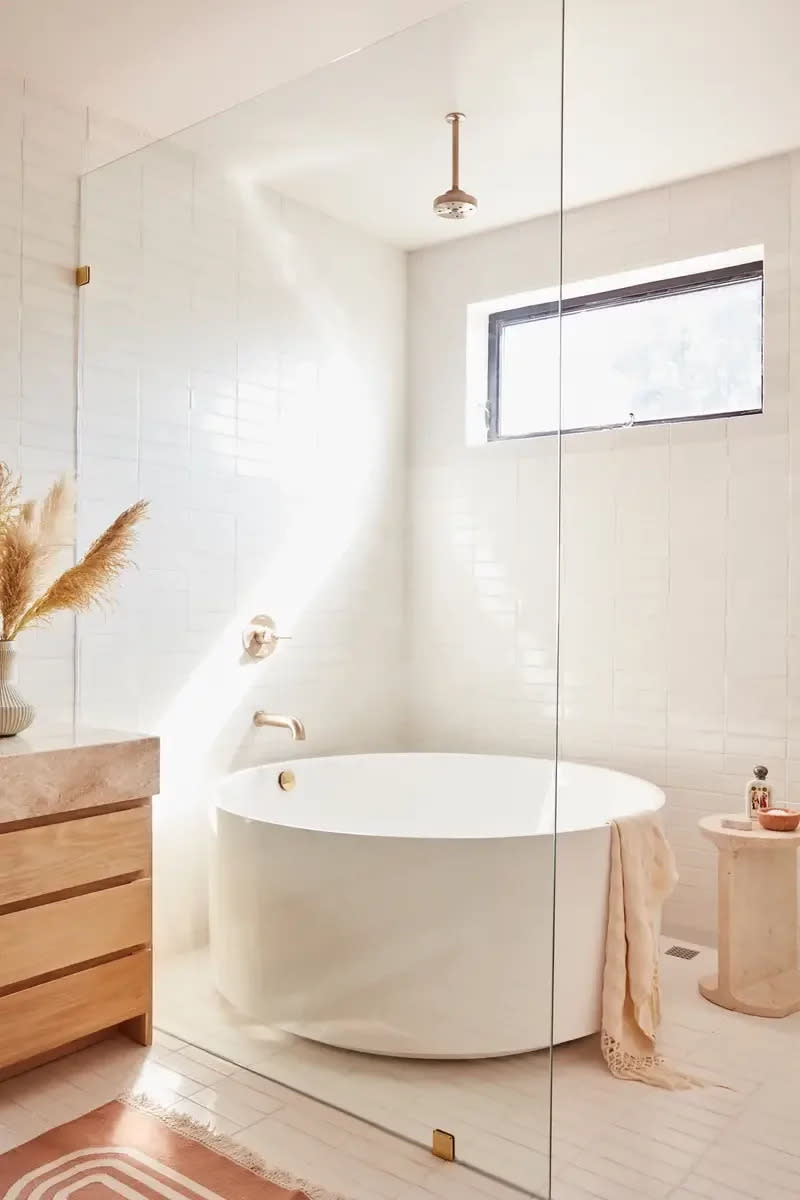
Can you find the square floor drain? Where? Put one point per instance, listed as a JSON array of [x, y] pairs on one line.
[[682, 952]]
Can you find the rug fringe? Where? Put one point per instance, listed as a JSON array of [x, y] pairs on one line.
[[223, 1145]]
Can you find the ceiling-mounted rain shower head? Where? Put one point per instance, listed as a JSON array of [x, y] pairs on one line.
[[454, 204]]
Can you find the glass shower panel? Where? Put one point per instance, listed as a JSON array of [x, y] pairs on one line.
[[344, 623], [679, 598]]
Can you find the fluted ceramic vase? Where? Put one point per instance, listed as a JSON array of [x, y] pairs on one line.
[[15, 712]]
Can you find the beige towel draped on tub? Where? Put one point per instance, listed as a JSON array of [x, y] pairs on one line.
[[642, 876]]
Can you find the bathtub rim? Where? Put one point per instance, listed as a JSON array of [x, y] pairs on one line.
[[225, 786]]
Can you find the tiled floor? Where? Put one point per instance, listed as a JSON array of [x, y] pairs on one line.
[[611, 1140], [289, 1131]]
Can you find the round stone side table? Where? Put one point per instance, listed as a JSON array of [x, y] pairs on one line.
[[757, 918]]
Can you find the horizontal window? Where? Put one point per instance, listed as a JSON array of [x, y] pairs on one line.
[[670, 350]]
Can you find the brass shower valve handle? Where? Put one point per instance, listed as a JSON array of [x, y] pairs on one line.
[[260, 638]]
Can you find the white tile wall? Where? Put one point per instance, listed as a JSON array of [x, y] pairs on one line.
[[39, 163], [680, 604], [242, 369], [45, 144]]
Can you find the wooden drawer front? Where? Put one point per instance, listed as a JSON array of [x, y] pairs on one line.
[[52, 1014], [69, 854], [51, 937]]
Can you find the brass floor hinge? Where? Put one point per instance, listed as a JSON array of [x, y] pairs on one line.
[[444, 1145]]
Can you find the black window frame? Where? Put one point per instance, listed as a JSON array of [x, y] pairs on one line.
[[613, 298]]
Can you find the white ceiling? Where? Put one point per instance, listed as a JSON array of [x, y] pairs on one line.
[[162, 64], [654, 92]]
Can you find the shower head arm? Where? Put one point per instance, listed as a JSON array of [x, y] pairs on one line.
[[456, 122], [455, 119]]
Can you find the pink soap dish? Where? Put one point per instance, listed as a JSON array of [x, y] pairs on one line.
[[779, 820]]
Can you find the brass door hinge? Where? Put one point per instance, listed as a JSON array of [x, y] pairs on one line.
[[444, 1145], [82, 276]]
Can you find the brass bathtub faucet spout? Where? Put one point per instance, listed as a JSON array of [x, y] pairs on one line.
[[293, 724]]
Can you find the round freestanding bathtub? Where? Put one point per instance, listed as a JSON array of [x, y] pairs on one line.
[[402, 904]]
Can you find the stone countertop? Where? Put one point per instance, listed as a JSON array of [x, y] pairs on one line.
[[50, 771]]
